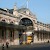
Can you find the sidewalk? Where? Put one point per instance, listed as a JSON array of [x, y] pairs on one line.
[[27, 46], [31, 45]]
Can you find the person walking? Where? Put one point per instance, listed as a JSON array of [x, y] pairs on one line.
[[7, 44], [3, 47]]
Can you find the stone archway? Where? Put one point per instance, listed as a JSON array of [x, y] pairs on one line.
[[26, 22], [28, 33]]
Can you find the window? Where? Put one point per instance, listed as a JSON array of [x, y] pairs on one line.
[[26, 22]]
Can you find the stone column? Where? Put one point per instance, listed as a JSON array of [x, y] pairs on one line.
[[7, 34], [42, 35], [16, 37], [39, 35], [35, 38], [48, 35]]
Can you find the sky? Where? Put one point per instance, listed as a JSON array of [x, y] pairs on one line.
[[41, 8]]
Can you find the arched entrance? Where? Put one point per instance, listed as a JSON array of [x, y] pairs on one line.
[[26, 22], [27, 34]]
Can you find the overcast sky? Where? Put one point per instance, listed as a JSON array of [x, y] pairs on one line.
[[41, 8]]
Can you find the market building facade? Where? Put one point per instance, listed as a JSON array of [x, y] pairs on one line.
[[20, 26]]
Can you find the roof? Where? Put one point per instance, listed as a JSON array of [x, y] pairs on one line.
[[21, 10], [3, 9], [25, 9]]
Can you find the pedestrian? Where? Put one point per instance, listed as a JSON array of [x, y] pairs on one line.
[[48, 41], [3, 47], [7, 44]]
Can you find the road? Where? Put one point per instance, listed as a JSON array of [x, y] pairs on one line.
[[29, 47]]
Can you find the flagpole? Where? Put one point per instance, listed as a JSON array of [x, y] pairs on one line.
[[27, 3]]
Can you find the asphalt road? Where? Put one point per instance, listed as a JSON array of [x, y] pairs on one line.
[[32, 48], [29, 47], [36, 48]]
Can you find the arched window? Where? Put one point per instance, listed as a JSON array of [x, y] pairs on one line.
[[26, 22]]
